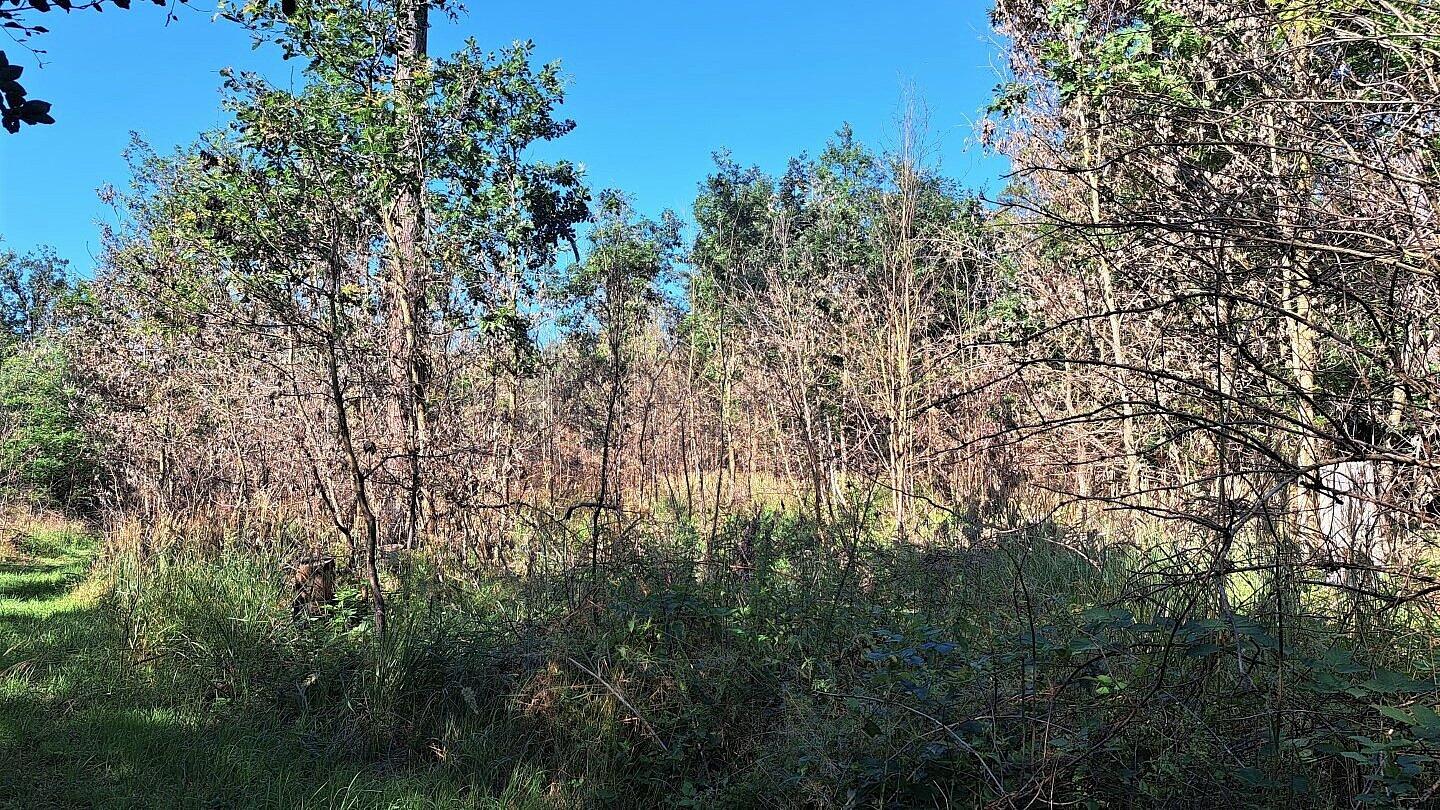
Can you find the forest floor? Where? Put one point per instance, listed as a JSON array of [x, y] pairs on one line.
[[84, 724]]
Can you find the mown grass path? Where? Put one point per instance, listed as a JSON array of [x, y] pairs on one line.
[[85, 722], [75, 729]]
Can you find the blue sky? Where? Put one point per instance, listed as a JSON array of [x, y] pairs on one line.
[[656, 88]]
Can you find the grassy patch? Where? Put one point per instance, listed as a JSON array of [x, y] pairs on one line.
[[86, 722]]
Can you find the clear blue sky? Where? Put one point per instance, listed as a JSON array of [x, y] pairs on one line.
[[656, 88]]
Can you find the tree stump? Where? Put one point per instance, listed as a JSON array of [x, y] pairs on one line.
[[313, 580]]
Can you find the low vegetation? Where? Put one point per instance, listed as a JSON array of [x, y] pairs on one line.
[[942, 676]]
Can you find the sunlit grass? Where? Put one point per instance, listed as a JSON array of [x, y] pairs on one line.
[[87, 722]]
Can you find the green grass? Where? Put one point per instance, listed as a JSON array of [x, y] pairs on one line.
[[83, 724]]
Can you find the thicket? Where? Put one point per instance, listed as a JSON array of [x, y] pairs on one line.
[[45, 452], [1119, 489]]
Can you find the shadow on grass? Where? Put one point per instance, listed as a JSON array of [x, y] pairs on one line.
[[49, 585], [100, 755], [82, 726], [25, 567]]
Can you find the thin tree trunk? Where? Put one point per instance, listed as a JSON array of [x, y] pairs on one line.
[[412, 277]]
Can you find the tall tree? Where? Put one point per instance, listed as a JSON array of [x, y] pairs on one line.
[[295, 230]]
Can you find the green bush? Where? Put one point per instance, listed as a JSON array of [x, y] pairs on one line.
[[44, 449]]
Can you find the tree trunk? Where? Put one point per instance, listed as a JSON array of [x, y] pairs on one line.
[[411, 280]]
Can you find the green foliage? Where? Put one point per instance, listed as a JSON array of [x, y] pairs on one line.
[[88, 720], [44, 449], [291, 206], [44, 452], [1135, 55], [628, 272], [824, 228], [34, 295]]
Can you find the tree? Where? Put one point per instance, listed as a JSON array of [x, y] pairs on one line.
[[33, 290], [829, 287], [284, 235], [1226, 245], [628, 274], [44, 450]]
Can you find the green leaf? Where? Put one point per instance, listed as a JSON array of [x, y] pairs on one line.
[[1394, 713], [1426, 717], [1387, 682]]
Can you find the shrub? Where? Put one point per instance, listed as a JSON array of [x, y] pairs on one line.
[[43, 449]]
